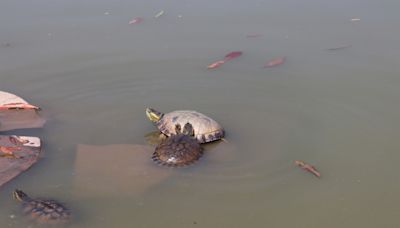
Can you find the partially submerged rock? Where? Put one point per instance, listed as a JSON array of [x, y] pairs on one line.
[[16, 113], [17, 154]]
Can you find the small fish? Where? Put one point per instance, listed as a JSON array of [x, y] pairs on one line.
[[159, 14], [232, 55], [355, 19], [136, 20], [215, 64], [275, 62], [16, 140], [8, 151], [308, 167], [338, 48], [254, 35]]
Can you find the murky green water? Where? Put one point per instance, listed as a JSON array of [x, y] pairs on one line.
[[94, 75]]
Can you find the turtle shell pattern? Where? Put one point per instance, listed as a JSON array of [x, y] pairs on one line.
[[46, 211], [177, 151], [205, 128]]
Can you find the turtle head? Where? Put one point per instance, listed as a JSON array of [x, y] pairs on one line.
[[153, 114], [20, 195], [188, 129]]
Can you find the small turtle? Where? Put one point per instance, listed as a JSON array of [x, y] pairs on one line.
[[206, 129], [44, 211], [179, 149]]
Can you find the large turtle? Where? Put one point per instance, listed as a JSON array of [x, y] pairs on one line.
[[43, 211], [179, 149], [205, 128]]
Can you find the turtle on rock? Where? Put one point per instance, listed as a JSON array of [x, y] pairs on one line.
[[205, 128], [42, 211], [180, 149]]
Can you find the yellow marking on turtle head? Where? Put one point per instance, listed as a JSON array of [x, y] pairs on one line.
[[153, 115]]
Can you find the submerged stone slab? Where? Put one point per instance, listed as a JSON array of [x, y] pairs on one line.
[[16, 113], [115, 170], [17, 154]]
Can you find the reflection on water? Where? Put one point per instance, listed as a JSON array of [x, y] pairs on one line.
[[94, 74]]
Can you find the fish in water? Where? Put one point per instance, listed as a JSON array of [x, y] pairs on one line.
[[159, 14], [254, 35], [308, 168], [136, 20], [227, 57], [339, 48], [215, 64], [275, 62], [232, 55]]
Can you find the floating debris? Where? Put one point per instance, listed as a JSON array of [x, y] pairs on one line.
[[275, 62], [339, 48], [355, 19], [135, 20], [232, 55], [308, 167], [159, 14]]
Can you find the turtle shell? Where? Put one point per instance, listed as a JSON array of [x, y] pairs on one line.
[[205, 128], [177, 151], [46, 211]]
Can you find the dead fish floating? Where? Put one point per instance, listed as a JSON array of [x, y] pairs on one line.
[[308, 168], [275, 62]]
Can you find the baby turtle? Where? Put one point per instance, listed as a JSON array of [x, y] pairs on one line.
[[179, 149], [205, 128], [44, 211]]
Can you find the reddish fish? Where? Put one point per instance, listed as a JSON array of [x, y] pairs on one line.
[[232, 55], [275, 62], [8, 151], [136, 20], [308, 168], [215, 64]]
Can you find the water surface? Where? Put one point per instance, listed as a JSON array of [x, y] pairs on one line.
[[94, 75]]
